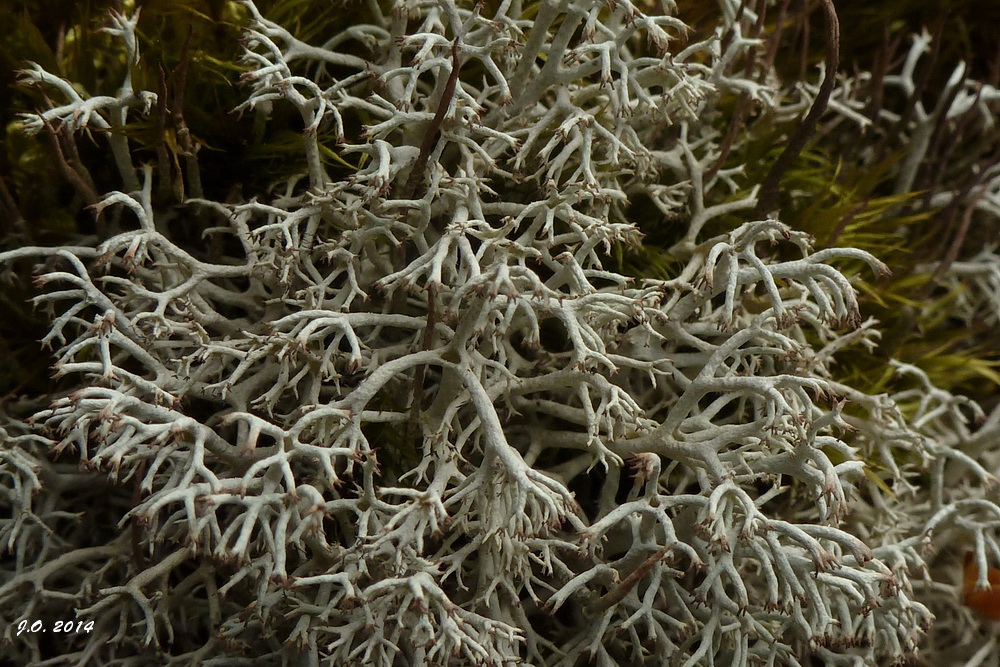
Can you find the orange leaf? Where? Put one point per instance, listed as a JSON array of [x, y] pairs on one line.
[[983, 600]]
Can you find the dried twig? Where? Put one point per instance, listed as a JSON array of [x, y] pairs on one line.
[[433, 132], [768, 198], [618, 593], [417, 175]]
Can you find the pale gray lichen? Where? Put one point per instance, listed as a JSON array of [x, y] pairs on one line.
[[676, 479]]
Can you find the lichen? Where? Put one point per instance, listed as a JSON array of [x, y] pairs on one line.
[[415, 413]]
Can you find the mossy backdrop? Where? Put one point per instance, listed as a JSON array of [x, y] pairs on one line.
[[843, 189]]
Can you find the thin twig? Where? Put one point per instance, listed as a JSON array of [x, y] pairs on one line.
[[804, 32], [68, 171], [427, 146], [772, 49], [743, 104], [955, 247], [945, 146], [414, 182], [165, 165], [434, 129], [844, 221], [769, 190], [882, 149], [187, 143], [618, 593], [727, 38]]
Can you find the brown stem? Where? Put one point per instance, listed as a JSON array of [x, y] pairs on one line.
[[164, 163], [68, 172], [804, 54], [970, 194], [940, 135], [772, 49], [618, 593], [434, 129], [427, 146], [943, 155], [918, 90], [844, 221], [768, 199], [954, 248], [184, 138], [881, 67], [413, 183], [739, 113], [727, 38]]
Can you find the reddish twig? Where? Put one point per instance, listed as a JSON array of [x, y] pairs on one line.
[[434, 130], [618, 593], [414, 181], [844, 221], [768, 199], [743, 104], [920, 85], [68, 170]]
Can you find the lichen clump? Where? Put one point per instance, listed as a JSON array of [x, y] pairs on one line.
[[405, 406]]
